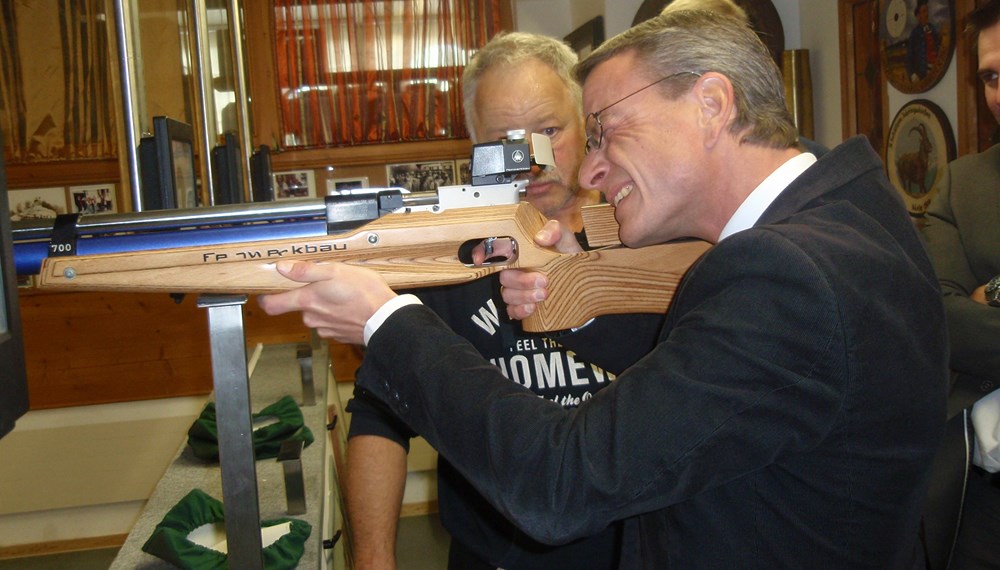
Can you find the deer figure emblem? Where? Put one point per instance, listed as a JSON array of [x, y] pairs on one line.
[[912, 166]]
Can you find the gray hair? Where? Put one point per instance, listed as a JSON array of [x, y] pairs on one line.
[[701, 41], [724, 7], [513, 48]]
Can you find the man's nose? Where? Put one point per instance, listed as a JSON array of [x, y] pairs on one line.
[[593, 170]]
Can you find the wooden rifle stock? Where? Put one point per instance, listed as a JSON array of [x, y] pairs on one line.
[[411, 250]]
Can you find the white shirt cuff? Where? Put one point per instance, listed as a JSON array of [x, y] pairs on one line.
[[385, 311], [986, 421]]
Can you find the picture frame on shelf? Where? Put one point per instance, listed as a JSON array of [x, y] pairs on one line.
[[37, 203], [421, 176], [93, 199], [463, 171], [291, 184], [336, 186]]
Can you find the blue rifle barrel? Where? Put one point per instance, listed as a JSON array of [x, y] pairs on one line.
[[166, 229]]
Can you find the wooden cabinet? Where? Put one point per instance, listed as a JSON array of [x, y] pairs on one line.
[[96, 348]]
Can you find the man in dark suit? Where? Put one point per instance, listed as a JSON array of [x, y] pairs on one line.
[[963, 236], [789, 413]]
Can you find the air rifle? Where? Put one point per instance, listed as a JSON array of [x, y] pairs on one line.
[[413, 240]]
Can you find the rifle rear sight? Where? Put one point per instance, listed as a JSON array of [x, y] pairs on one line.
[[499, 162]]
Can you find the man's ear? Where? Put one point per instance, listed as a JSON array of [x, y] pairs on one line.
[[716, 102]]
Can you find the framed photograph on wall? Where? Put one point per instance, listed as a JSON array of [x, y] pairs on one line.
[[93, 199], [336, 186], [421, 176], [37, 203], [294, 184], [919, 146]]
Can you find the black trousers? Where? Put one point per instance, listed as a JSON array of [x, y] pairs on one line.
[[978, 545], [461, 558]]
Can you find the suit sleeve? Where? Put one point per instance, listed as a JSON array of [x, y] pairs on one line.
[[973, 328], [591, 341], [763, 388], [371, 417]]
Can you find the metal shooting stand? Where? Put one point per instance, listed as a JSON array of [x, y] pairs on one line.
[[235, 424], [234, 419]]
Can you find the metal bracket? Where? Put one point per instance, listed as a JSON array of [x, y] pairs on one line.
[[290, 457], [304, 355]]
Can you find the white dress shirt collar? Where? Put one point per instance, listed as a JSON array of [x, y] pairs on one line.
[[753, 207]]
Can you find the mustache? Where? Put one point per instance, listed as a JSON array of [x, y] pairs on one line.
[[546, 176]]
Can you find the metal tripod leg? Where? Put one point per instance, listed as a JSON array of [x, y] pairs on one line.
[[235, 425]]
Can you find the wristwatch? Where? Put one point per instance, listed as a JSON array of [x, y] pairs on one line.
[[993, 292]]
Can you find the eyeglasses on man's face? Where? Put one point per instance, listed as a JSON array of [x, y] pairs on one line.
[[593, 126]]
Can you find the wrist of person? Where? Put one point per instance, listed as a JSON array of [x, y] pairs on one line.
[[992, 292], [383, 313]]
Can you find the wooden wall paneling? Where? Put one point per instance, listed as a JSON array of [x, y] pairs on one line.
[[94, 348], [965, 78], [375, 154], [258, 22], [62, 173], [864, 97]]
